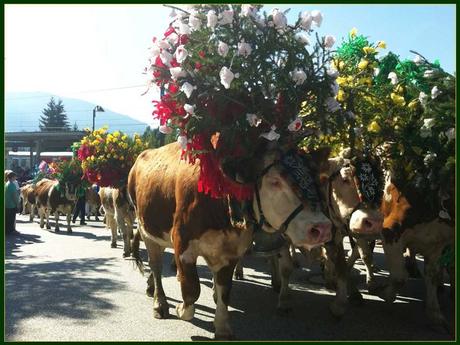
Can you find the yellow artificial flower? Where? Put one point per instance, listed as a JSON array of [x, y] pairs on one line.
[[341, 81], [116, 134], [374, 127], [92, 158], [115, 156], [399, 89], [368, 50], [341, 65], [122, 158], [397, 99], [353, 32], [381, 44], [413, 104], [341, 96], [363, 64], [124, 137]]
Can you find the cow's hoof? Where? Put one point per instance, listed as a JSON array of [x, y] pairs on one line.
[[224, 336], [161, 313], [57, 230], [356, 298], [185, 313], [42, 226], [48, 227], [337, 309], [113, 245], [126, 254], [283, 311]]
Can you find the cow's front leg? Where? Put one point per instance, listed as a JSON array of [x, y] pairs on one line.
[[365, 252], [394, 258], [41, 214], [56, 219], [31, 214], [222, 288], [69, 217], [285, 269], [433, 275], [335, 257]]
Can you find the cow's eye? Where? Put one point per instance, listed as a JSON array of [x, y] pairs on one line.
[[275, 183]]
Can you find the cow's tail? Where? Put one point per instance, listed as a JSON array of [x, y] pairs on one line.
[[135, 251]]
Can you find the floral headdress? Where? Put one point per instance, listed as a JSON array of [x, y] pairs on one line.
[[106, 158], [407, 105], [230, 75], [69, 172]]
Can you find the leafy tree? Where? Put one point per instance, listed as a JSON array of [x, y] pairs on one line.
[[155, 138], [54, 118]]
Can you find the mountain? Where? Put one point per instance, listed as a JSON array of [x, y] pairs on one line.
[[23, 109]]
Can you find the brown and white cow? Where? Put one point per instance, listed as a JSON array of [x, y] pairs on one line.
[[54, 197], [93, 203], [410, 224], [28, 200], [119, 214], [172, 213], [353, 190]]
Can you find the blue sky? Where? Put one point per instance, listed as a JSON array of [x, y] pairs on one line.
[[97, 52]]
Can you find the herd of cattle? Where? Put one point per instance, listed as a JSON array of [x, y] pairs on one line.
[[162, 194]]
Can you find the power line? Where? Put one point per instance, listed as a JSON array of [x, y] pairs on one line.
[[78, 92]]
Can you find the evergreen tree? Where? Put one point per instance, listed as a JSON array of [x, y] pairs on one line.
[[156, 139], [75, 127], [54, 118]]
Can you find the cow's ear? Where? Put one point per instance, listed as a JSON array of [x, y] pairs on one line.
[[320, 157]]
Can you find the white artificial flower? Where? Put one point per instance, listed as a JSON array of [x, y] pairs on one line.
[[212, 19], [317, 17], [306, 20], [393, 77], [226, 77], [358, 131], [418, 60], [177, 72], [166, 57], [450, 134], [295, 125], [253, 120], [187, 88], [261, 22], [173, 13], [335, 88], [435, 92], [181, 53], [165, 129], [272, 135], [194, 21], [428, 123], [329, 41], [279, 19], [248, 10], [332, 104], [333, 73], [423, 98], [376, 71], [302, 38], [428, 73], [190, 109], [226, 17], [163, 44], [182, 140], [173, 38], [184, 29], [244, 49], [154, 51], [298, 76], [222, 49], [429, 158]]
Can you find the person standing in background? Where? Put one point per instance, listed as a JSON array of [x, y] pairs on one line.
[[11, 203], [80, 206]]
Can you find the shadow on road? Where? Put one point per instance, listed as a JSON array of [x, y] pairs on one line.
[[13, 243], [55, 290]]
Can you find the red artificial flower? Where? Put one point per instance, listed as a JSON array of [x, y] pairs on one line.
[[173, 88], [169, 31], [201, 54], [198, 65], [174, 62], [183, 39]]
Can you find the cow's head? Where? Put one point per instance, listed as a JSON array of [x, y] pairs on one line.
[[353, 188], [287, 197]]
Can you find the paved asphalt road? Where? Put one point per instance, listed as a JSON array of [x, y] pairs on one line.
[[62, 287]]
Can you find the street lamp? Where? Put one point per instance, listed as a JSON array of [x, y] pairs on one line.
[[96, 108]]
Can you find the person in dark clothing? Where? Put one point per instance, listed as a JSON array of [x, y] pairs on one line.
[[11, 203], [80, 206]]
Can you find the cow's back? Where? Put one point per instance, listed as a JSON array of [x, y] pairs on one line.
[[42, 190], [163, 186], [106, 196]]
